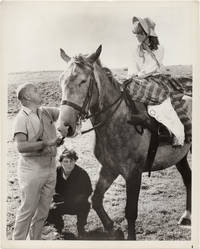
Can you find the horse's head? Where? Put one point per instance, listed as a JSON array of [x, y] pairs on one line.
[[77, 88]]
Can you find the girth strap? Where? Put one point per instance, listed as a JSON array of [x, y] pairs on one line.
[[153, 146]]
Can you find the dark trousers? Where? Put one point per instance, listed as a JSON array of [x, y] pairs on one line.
[[77, 205]]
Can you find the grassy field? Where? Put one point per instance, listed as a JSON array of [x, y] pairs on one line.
[[162, 196]]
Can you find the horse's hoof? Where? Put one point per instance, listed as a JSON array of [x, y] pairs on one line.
[[184, 222], [131, 237], [109, 226]]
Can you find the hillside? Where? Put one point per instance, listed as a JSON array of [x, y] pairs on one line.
[[49, 84]]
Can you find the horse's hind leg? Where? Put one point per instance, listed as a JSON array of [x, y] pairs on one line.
[[185, 171], [132, 191], [106, 178]]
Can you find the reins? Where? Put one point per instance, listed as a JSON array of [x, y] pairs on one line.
[[102, 123]]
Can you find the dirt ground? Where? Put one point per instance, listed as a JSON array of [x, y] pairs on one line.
[[162, 196]]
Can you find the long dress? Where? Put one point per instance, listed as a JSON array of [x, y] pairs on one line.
[[160, 92]]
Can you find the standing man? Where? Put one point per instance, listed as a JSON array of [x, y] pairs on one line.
[[36, 140]]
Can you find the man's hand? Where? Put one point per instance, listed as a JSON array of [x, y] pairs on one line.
[[60, 141], [53, 205], [50, 142], [55, 141]]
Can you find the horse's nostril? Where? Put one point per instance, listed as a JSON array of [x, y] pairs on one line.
[[66, 124]]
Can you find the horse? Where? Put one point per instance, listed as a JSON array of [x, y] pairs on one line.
[[88, 92]]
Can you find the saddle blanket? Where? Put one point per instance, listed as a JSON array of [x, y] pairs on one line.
[[153, 90]]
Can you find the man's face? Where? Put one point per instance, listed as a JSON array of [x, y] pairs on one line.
[[68, 165], [34, 95]]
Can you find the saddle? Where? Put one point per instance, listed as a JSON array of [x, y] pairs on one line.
[[141, 120]]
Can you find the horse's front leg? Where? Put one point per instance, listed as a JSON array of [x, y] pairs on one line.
[[133, 184], [105, 180]]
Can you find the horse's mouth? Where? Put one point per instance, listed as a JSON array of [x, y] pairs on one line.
[[73, 132], [70, 132]]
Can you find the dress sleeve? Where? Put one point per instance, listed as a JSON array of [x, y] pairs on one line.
[[160, 54], [132, 64]]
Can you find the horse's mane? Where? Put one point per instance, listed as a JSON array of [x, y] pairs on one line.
[[81, 61], [109, 74]]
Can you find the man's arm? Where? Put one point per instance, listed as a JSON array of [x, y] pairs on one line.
[[24, 146], [54, 112]]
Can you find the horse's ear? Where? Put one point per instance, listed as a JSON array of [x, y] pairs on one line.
[[93, 57], [64, 55]]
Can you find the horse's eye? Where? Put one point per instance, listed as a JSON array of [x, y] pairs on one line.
[[82, 82]]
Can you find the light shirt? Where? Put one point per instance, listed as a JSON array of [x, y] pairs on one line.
[[145, 65], [37, 127], [27, 122]]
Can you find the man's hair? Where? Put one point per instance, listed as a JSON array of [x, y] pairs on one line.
[[71, 154], [21, 90]]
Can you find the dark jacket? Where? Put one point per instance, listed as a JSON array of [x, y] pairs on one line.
[[78, 183]]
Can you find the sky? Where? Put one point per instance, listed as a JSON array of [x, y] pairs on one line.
[[33, 32]]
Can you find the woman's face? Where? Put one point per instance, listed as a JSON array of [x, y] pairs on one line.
[[141, 37], [68, 165], [139, 32]]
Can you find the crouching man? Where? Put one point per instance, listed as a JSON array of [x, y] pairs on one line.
[[72, 189]]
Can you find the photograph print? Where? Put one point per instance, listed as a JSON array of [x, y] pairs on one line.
[[98, 120]]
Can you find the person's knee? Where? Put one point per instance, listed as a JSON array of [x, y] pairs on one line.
[[26, 210], [83, 208], [55, 218]]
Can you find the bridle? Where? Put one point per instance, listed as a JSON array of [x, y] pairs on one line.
[[84, 114]]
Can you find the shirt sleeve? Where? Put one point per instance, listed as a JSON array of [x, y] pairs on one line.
[[53, 111], [20, 125], [85, 183]]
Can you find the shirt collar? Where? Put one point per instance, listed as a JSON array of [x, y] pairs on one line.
[[27, 110]]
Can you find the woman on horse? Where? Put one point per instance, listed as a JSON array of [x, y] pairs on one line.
[[158, 91]]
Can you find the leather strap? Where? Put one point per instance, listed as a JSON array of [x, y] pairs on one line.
[[153, 146], [73, 105]]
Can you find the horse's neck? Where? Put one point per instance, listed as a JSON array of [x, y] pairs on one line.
[[108, 90]]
